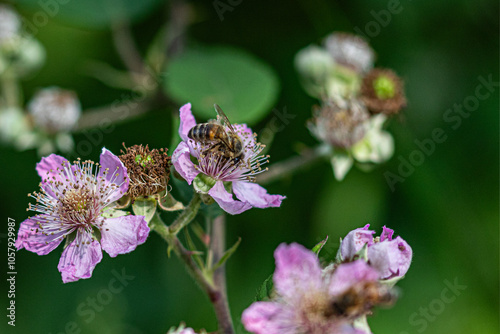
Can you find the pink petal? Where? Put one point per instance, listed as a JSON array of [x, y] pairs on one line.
[[390, 258], [386, 234], [187, 121], [30, 236], [297, 271], [355, 240], [256, 195], [49, 169], [348, 274], [226, 201], [79, 259], [269, 318], [122, 234], [181, 159], [117, 173]]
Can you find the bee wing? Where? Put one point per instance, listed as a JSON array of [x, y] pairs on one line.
[[222, 117]]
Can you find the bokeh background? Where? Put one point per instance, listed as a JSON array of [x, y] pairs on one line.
[[447, 209]]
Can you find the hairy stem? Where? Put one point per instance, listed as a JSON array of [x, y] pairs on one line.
[[282, 169], [187, 215], [217, 246]]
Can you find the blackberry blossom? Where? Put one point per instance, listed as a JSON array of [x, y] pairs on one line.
[[74, 203]]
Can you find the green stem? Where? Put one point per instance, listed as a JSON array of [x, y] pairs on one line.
[[11, 91], [186, 216]]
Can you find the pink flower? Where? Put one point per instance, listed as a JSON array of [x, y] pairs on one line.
[[392, 258], [223, 172], [71, 205], [312, 301]]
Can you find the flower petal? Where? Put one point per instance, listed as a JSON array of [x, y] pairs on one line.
[[386, 234], [116, 173], [181, 159], [122, 234], [348, 274], [79, 259], [355, 240], [36, 240], [226, 201], [256, 195], [49, 169], [269, 318], [297, 271], [390, 258], [187, 121]]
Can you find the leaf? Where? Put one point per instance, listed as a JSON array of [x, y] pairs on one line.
[[144, 207], [319, 246], [227, 254], [242, 85], [94, 14], [265, 291]]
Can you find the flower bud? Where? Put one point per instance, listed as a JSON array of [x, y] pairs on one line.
[[55, 110], [315, 66], [391, 257], [351, 51], [10, 25], [382, 92]]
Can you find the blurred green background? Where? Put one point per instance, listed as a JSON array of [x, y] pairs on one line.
[[447, 209]]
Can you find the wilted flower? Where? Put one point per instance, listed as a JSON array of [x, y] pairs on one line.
[[340, 123], [75, 204], [391, 258], [382, 92], [351, 51], [148, 170], [55, 110], [218, 175], [10, 24], [312, 301]]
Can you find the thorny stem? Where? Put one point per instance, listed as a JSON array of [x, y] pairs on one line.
[[217, 246], [287, 167]]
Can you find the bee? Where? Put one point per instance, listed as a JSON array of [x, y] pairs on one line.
[[220, 136]]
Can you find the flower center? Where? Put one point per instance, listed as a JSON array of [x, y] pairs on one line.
[[384, 87], [77, 199]]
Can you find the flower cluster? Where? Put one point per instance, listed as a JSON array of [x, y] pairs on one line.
[[355, 100], [217, 175], [333, 300], [75, 204]]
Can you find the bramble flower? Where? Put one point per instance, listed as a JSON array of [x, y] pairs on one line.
[[310, 300], [182, 329], [350, 50], [54, 109], [391, 257], [75, 204], [382, 92], [217, 175], [149, 170]]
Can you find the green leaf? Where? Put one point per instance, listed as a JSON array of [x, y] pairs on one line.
[[319, 246], [265, 291], [144, 207], [94, 14], [227, 255], [242, 85]]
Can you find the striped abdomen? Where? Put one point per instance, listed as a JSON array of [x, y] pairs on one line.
[[207, 132]]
